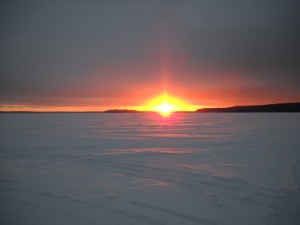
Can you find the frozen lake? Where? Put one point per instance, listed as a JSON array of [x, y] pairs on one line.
[[110, 169]]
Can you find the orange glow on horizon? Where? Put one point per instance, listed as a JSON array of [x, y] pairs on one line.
[[166, 104], [32, 108]]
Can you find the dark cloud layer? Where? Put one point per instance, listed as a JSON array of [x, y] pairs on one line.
[[107, 48]]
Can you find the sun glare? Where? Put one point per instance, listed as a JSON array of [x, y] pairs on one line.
[[166, 104], [165, 108]]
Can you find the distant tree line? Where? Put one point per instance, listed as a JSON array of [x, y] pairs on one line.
[[282, 107]]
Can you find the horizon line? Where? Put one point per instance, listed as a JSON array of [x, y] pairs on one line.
[[124, 110]]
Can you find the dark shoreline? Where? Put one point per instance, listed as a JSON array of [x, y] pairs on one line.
[[269, 108]]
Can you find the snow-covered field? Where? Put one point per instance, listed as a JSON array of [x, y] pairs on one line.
[[118, 169]]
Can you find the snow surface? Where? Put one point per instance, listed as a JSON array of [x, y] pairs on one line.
[[110, 169]]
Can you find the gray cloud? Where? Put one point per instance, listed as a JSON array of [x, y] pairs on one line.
[[48, 46]]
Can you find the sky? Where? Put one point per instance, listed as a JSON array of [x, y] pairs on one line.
[[97, 55]]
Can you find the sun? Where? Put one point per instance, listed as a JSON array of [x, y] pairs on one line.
[[166, 104], [165, 108]]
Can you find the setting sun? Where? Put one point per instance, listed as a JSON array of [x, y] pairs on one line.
[[165, 108], [166, 104]]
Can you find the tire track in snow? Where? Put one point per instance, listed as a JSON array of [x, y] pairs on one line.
[[176, 213], [210, 187], [194, 182], [141, 218], [64, 213]]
